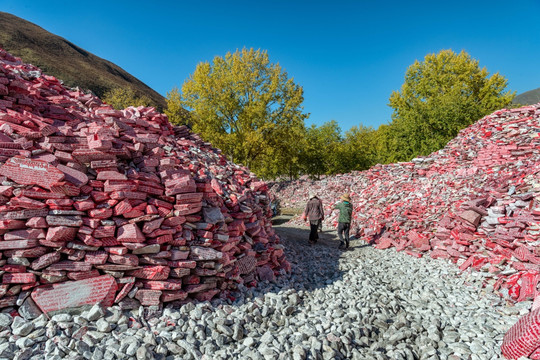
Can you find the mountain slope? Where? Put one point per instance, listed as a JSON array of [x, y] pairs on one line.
[[58, 57], [528, 97]]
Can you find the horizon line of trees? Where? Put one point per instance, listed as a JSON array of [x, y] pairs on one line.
[[250, 109]]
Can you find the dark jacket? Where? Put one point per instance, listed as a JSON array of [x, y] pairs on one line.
[[345, 211], [314, 209]]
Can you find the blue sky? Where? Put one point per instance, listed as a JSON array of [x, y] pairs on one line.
[[347, 55]]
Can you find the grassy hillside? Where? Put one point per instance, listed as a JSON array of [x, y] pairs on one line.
[[528, 98], [58, 57]]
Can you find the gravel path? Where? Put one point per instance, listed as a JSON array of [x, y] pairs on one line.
[[363, 303]]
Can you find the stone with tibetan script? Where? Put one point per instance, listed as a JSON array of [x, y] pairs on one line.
[[8, 301], [31, 172], [116, 267], [37, 223], [150, 249], [70, 266], [173, 295], [130, 233], [203, 253], [151, 272], [199, 287], [75, 221], [128, 259], [170, 284], [80, 275], [126, 288], [74, 294], [148, 297], [75, 177], [110, 175], [45, 260], [18, 244], [189, 198], [19, 278], [179, 272], [25, 234], [87, 155], [23, 214], [11, 224], [150, 226], [61, 233]]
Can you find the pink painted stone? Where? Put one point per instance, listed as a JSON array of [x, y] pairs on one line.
[[19, 278], [148, 297], [73, 294], [31, 172], [45, 260], [75, 177], [130, 233], [110, 175], [61, 233], [24, 234]]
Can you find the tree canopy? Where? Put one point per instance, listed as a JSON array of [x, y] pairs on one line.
[[246, 106], [121, 98], [440, 96]]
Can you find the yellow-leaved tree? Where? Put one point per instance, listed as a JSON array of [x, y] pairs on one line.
[[246, 106], [121, 98]]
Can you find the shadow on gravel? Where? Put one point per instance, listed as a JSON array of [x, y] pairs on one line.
[[313, 266]]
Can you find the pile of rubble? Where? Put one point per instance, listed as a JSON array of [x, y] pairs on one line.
[[102, 205], [475, 202]]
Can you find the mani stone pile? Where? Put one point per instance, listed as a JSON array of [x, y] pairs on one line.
[[476, 203], [361, 304], [106, 206]]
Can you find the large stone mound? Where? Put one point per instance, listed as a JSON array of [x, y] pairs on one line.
[[475, 202], [101, 205]]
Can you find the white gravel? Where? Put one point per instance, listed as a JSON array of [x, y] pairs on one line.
[[360, 304]]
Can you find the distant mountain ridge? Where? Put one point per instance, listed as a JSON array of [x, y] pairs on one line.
[[528, 98], [74, 66]]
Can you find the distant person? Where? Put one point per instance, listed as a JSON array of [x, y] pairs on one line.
[[344, 221], [315, 214]]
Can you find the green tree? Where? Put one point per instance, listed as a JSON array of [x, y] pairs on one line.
[[321, 150], [174, 111], [246, 106], [121, 98], [359, 148], [440, 96]]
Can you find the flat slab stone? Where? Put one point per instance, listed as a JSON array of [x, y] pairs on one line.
[[202, 253], [76, 177], [130, 233], [72, 294], [31, 172]]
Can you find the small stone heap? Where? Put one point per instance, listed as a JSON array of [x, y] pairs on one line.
[[109, 206]]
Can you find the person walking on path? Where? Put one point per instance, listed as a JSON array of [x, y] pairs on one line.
[[314, 212], [344, 221]]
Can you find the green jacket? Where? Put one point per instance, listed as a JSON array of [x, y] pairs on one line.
[[345, 211]]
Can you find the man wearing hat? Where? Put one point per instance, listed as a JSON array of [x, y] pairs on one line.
[[344, 221], [315, 214]]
